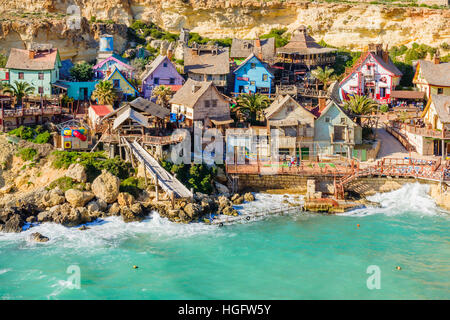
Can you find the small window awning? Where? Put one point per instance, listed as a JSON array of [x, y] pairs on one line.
[[60, 85], [221, 122]]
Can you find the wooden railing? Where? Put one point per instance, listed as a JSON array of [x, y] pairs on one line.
[[306, 92], [426, 132], [9, 113], [307, 61], [145, 139]]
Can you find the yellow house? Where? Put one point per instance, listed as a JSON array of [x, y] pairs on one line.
[[433, 77], [121, 84], [436, 116]]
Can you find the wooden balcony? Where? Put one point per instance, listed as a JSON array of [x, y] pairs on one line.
[[425, 132], [17, 113], [308, 61], [305, 92]]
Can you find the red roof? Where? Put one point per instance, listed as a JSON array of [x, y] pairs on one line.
[[173, 87], [101, 110]]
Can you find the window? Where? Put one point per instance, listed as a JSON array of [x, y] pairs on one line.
[[172, 81], [253, 65], [165, 64], [156, 81], [214, 103], [116, 83], [342, 120], [209, 77], [382, 92], [41, 76], [265, 77], [252, 83], [41, 90], [21, 75], [290, 108], [440, 90], [207, 104], [327, 119]]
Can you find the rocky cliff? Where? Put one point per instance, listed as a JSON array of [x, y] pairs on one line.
[[352, 25]]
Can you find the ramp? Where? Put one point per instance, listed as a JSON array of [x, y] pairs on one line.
[[165, 180]]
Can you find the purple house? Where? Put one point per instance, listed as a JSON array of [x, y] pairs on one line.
[[160, 72]]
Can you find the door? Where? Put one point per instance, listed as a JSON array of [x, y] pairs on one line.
[[84, 94], [305, 153]]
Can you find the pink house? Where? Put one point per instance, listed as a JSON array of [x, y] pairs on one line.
[[373, 75], [106, 67], [160, 72]]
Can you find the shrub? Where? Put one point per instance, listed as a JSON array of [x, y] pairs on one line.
[[27, 154], [133, 186], [384, 108], [37, 134], [66, 183], [42, 138], [82, 71], [196, 176]]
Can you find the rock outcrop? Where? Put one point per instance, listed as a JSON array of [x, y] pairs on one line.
[[106, 187], [78, 198], [37, 237]]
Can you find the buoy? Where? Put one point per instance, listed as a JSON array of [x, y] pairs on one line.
[[357, 225], [248, 218], [398, 268], [135, 267]]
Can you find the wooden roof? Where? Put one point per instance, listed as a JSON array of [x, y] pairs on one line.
[[302, 43]]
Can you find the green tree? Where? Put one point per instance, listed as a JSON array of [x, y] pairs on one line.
[[360, 105], [163, 95], [105, 93], [324, 75], [82, 71], [3, 60], [19, 89], [252, 104]]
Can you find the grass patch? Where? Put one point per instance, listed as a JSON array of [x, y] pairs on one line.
[[66, 183], [93, 162], [133, 186], [27, 154]]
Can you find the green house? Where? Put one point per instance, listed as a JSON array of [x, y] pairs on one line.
[[38, 66]]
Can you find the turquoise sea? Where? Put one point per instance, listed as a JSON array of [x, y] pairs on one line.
[[300, 256]]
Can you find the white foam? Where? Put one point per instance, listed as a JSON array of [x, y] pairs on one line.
[[411, 198], [2, 271]]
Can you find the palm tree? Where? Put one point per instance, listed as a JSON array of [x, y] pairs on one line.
[[105, 93], [163, 95], [252, 104], [360, 105], [323, 75], [19, 89]]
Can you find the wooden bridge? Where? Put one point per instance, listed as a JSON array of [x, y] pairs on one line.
[[171, 185]]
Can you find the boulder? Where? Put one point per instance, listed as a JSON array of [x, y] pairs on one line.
[[14, 224], [221, 176], [53, 198], [129, 216], [249, 197], [125, 199], [192, 210], [36, 236], [238, 200], [93, 206], [78, 198], [72, 217], [82, 228], [229, 211], [221, 189], [44, 216], [114, 209], [77, 172], [174, 213], [106, 187], [31, 219]]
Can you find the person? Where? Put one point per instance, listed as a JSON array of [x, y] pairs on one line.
[[292, 160]]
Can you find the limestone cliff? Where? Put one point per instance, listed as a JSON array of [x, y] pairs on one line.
[[351, 25]]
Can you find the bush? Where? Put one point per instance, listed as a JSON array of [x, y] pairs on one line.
[[196, 176], [384, 108], [133, 186], [37, 134], [279, 34], [66, 183], [93, 162], [27, 154], [82, 71]]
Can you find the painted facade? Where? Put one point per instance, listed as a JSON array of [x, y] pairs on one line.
[[103, 69], [432, 77], [373, 75], [79, 90], [252, 76], [335, 133], [121, 84], [160, 72]]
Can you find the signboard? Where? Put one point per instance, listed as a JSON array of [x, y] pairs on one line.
[[242, 78]]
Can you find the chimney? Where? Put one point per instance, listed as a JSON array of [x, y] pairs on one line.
[[169, 54], [258, 48], [31, 54], [386, 54], [437, 58], [322, 104]]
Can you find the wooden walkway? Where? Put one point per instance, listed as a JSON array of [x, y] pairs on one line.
[[165, 180]]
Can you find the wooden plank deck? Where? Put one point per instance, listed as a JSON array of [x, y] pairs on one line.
[[167, 182]]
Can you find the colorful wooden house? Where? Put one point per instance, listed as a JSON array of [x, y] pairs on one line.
[[295, 124], [160, 72], [106, 67], [264, 49], [4, 75], [121, 84], [252, 76], [373, 75], [433, 77], [335, 133], [38, 66], [77, 90], [201, 101]]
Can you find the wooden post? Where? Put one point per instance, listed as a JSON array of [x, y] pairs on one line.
[[172, 199], [156, 189]]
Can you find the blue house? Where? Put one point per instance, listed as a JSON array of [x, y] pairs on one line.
[[252, 76], [77, 90]]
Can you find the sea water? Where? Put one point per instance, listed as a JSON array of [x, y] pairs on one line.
[[298, 256]]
